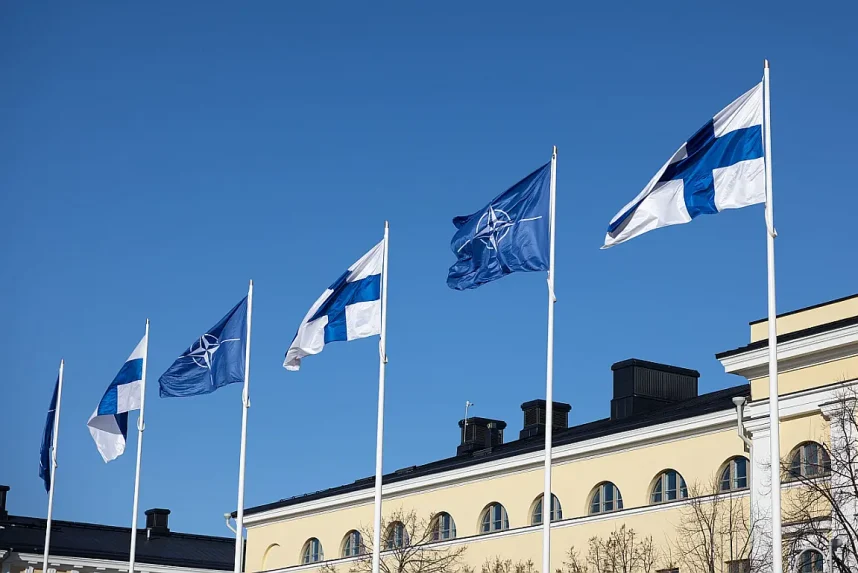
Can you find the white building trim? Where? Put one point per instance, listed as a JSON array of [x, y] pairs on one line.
[[78, 563], [800, 353], [604, 445]]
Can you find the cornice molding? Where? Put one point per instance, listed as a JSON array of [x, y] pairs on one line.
[[622, 441], [107, 564], [795, 354]]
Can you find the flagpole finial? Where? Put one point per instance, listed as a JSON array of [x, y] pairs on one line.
[[386, 224], [555, 150], [766, 63]]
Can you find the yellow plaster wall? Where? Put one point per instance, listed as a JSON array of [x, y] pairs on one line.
[[806, 378], [808, 318], [697, 459]]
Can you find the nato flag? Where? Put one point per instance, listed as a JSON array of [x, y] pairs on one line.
[[509, 234], [215, 360], [48, 440]]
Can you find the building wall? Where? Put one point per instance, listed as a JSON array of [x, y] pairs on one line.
[[633, 471], [275, 539], [807, 318], [813, 376]]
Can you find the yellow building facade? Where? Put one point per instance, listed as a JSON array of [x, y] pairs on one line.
[[664, 447]]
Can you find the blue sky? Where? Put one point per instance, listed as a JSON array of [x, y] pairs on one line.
[[154, 158]]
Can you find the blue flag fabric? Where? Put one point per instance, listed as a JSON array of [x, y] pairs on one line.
[[510, 234], [213, 361], [45, 464]]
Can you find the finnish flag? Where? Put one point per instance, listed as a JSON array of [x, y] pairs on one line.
[[719, 167], [349, 309], [109, 422]]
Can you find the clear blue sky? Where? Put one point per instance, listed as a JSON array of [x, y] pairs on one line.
[[155, 157]]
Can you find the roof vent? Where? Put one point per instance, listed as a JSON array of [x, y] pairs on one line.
[[157, 521], [3, 513], [480, 434], [534, 417], [641, 386]]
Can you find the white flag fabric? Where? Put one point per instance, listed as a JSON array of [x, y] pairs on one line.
[[109, 422], [720, 167], [349, 309]]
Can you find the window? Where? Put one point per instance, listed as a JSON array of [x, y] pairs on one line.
[[669, 570], [396, 537], [443, 527], [312, 551], [352, 544], [668, 486], [734, 475], [739, 566], [810, 562], [536, 514], [606, 497], [809, 460], [494, 518]]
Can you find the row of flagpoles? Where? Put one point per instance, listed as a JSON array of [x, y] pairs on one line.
[[514, 232]]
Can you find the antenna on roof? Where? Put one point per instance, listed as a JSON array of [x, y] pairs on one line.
[[468, 405]]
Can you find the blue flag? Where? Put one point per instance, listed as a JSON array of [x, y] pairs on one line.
[[215, 360], [45, 464], [510, 234]]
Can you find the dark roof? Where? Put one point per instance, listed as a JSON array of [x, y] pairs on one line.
[[811, 307], [88, 540], [764, 343], [712, 402]]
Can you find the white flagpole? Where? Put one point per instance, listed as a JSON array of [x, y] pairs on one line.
[[547, 500], [774, 418], [379, 437], [53, 469], [245, 405], [141, 425]]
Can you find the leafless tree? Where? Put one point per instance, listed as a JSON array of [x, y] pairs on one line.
[[823, 502], [621, 552], [409, 545], [499, 565], [716, 528]]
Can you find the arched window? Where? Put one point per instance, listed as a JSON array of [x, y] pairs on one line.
[[810, 561], [536, 512], [396, 536], [312, 551], [494, 518], [668, 486], [734, 474], [809, 460], [443, 527], [352, 544], [606, 497]]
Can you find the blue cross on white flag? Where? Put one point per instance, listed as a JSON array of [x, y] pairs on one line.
[[719, 167], [109, 422], [349, 309], [509, 234], [214, 360]]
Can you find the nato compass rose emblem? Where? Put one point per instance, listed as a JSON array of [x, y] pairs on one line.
[[494, 225], [202, 352]]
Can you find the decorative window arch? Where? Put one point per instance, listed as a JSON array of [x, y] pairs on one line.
[[808, 460], [352, 544], [734, 474], [605, 498], [536, 510], [669, 485], [271, 556], [312, 551], [396, 536], [810, 561], [493, 518], [443, 527]]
